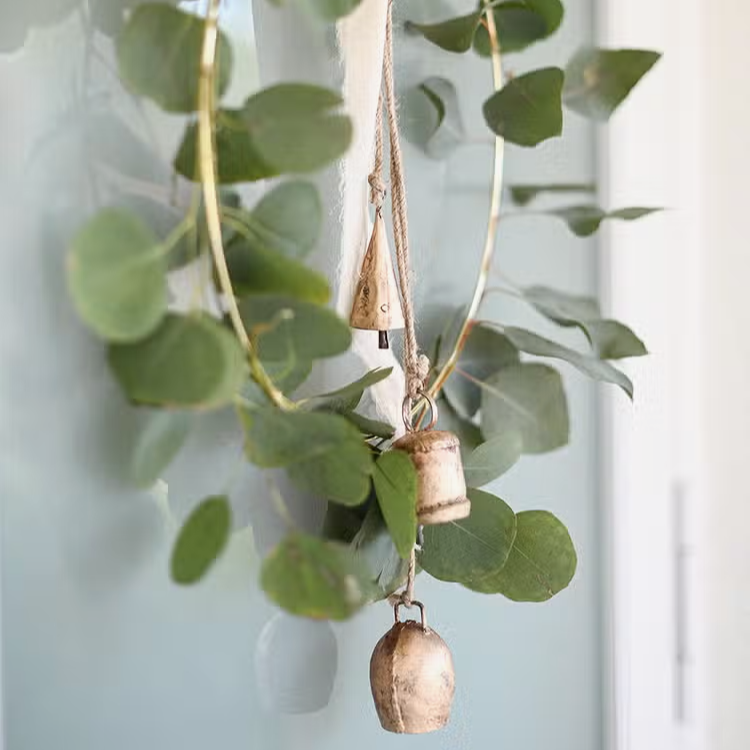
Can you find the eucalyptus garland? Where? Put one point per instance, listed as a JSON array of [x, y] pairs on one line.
[[269, 323]]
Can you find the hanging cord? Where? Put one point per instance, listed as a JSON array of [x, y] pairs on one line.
[[416, 365]]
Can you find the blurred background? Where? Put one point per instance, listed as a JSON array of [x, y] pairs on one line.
[[647, 650]]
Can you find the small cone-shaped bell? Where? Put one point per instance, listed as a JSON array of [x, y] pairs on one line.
[[412, 679], [377, 306], [441, 486]]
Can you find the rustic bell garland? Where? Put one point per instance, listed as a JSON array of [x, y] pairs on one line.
[[411, 670]]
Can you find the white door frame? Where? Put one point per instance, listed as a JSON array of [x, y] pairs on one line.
[[651, 154]]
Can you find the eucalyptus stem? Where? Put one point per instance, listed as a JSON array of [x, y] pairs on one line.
[[207, 161], [492, 222]]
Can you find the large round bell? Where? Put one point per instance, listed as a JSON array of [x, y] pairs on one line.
[[412, 678], [441, 486]]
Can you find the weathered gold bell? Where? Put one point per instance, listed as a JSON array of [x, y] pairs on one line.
[[441, 486], [377, 306], [412, 678]]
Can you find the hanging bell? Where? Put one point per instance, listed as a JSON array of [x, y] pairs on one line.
[[377, 306], [412, 677], [436, 455]]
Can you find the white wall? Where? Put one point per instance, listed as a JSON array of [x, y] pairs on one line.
[[683, 142]]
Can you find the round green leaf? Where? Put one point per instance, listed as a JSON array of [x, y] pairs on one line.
[[187, 362], [117, 276], [521, 24], [528, 109], [323, 453], [541, 563], [331, 10], [201, 540], [341, 475], [528, 399], [159, 53], [597, 81], [430, 117], [158, 444], [288, 219], [492, 459], [294, 329], [474, 547], [296, 127], [614, 340], [257, 270], [314, 578], [453, 35], [395, 480], [237, 156], [485, 352]]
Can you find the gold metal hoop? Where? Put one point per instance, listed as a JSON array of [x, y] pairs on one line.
[[407, 407]]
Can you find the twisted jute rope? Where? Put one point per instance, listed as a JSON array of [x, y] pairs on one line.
[[416, 365]]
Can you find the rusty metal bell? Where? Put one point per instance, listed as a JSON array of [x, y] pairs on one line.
[[377, 306], [441, 486], [412, 678]]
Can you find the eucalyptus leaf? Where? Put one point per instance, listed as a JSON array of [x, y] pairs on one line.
[[563, 308], [430, 117], [395, 480], [323, 453], [255, 269], [275, 438], [520, 24], [597, 81], [529, 399], [584, 221], [541, 563], [485, 352], [340, 476], [527, 110], [297, 127], [347, 398], [370, 427], [117, 276], [189, 361], [522, 195], [287, 376], [287, 219], [610, 339], [467, 432], [532, 343], [332, 10], [311, 577], [470, 549], [374, 545], [285, 327], [453, 35], [201, 540], [613, 340], [159, 54], [493, 458], [160, 441], [237, 156]]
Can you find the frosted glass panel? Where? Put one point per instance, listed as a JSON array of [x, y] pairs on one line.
[[100, 649]]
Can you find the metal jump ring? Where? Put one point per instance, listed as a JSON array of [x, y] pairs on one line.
[[414, 603], [406, 411]]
